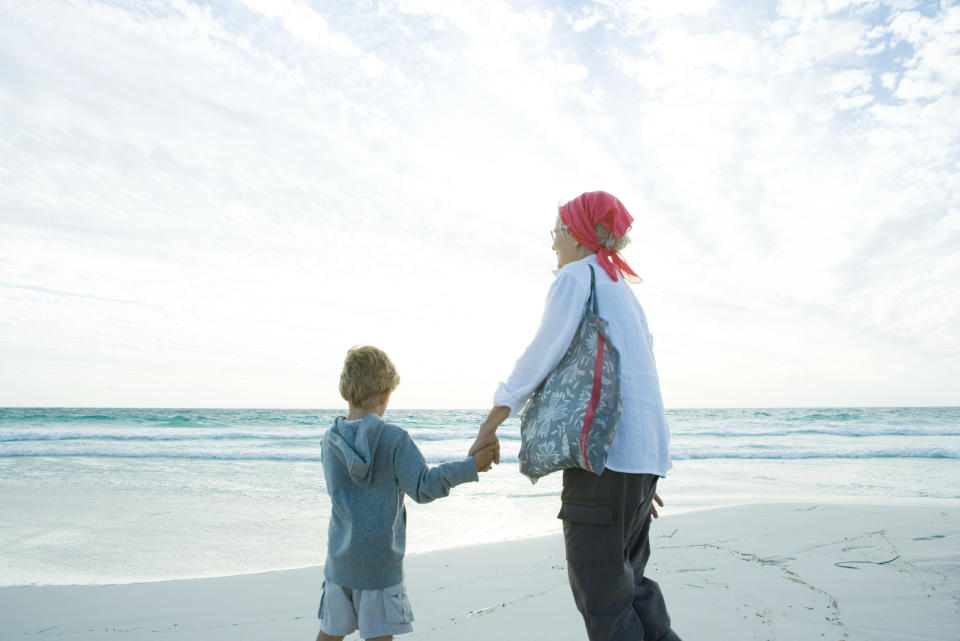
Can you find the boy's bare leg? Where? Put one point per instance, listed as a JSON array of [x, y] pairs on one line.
[[323, 636]]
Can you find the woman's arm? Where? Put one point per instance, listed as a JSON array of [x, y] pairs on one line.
[[561, 317], [562, 313]]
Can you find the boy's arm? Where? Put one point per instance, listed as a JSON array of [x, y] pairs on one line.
[[423, 483]]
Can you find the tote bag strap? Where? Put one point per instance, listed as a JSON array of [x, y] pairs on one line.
[[592, 300]]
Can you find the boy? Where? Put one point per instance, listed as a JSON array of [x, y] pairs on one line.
[[369, 465]]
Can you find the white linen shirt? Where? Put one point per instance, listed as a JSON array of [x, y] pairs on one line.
[[641, 444]]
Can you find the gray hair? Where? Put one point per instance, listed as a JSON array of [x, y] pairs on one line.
[[604, 235]]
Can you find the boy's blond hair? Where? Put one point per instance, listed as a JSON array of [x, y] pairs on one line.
[[368, 374]]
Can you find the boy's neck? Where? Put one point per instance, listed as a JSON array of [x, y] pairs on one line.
[[356, 413]]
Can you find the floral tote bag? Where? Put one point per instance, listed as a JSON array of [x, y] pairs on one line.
[[571, 418]]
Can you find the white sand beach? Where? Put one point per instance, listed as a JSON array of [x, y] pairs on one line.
[[777, 571]]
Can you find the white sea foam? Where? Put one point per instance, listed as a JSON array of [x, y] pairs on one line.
[[132, 495]]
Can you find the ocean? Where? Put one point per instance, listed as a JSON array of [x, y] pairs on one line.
[[92, 496]]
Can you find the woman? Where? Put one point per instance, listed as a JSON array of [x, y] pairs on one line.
[[606, 518]]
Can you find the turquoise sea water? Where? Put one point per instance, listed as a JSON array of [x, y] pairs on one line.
[[120, 495], [293, 435]]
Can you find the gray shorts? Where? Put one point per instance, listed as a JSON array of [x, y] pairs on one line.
[[376, 613]]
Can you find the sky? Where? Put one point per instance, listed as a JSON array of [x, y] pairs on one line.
[[207, 204]]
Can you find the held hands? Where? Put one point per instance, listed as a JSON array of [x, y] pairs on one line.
[[484, 458], [487, 434], [486, 440], [486, 449]]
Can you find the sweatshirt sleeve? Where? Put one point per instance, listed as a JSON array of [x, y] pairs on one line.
[[561, 317], [423, 483]]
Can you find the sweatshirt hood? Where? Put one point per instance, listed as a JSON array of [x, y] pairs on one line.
[[355, 443]]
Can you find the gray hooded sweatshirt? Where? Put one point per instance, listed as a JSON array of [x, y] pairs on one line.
[[369, 465]]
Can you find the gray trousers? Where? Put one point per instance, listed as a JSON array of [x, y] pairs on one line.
[[606, 530]]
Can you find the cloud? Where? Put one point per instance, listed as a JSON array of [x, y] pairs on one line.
[[934, 69], [636, 12], [311, 27], [305, 23], [807, 199], [239, 191]]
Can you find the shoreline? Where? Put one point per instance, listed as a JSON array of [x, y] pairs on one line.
[[671, 509], [771, 570], [672, 512]]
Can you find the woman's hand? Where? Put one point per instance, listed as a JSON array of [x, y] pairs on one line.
[[486, 440], [487, 434], [653, 508], [484, 459]]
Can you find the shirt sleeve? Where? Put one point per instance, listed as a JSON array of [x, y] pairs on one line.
[[423, 483], [561, 317]]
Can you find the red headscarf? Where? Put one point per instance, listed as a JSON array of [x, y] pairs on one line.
[[584, 212]]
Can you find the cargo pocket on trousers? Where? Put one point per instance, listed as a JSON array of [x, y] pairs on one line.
[[396, 605], [323, 600], [588, 533]]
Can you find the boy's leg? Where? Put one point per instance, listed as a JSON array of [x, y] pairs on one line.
[[389, 638], [336, 612]]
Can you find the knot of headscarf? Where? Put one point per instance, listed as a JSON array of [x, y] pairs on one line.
[[582, 214]]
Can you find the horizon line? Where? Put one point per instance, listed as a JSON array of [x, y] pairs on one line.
[[463, 409]]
